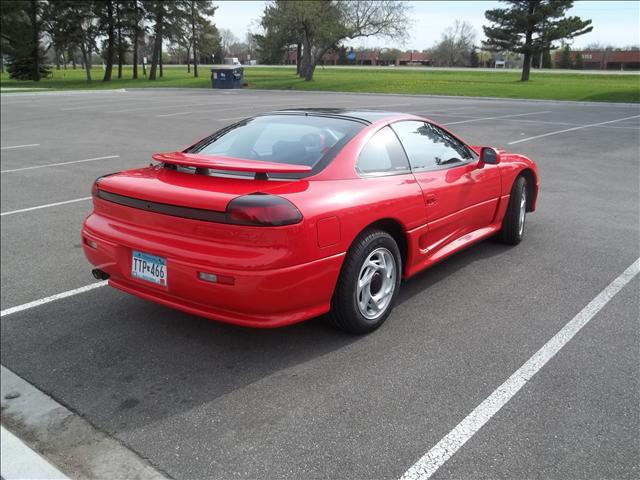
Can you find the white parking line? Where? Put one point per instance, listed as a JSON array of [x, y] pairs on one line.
[[173, 114], [571, 130], [52, 298], [22, 210], [496, 118], [58, 164], [467, 428], [20, 146]]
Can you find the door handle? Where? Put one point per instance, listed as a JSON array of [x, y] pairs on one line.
[[431, 199]]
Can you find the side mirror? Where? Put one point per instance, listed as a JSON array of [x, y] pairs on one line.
[[489, 155]]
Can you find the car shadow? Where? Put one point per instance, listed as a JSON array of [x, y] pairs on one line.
[[420, 283], [123, 363]]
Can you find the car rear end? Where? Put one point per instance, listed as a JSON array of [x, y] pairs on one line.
[[213, 236]]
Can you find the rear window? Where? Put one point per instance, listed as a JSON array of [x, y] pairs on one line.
[[292, 139]]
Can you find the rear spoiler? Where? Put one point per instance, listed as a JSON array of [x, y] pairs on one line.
[[260, 168]]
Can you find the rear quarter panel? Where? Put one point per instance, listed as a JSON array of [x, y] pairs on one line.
[[339, 210]]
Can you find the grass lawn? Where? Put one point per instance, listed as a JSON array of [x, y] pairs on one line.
[[550, 86]]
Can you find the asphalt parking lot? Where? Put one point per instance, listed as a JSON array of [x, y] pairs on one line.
[[199, 399]]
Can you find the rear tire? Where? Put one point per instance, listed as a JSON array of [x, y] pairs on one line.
[[513, 222], [368, 284]]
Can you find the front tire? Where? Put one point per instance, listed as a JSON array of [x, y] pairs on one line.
[[513, 222], [369, 283]]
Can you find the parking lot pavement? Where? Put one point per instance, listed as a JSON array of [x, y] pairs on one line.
[[201, 399]]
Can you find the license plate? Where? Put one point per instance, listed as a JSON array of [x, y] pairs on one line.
[[149, 267]]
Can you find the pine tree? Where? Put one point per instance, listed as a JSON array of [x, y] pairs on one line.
[[22, 26], [532, 26], [579, 63], [565, 58], [473, 58]]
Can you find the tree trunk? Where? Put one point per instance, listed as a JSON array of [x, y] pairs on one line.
[[160, 62], [35, 39], [136, 32], [189, 58], [86, 58], [526, 64], [526, 67], [298, 57], [72, 57], [307, 66], [110, 42], [195, 59], [120, 44], [64, 60], [57, 55], [194, 38], [157, 42]]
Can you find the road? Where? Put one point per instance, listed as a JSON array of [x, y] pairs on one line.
[[199, 399]]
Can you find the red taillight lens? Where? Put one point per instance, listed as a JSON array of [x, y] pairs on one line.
[[262, 211]]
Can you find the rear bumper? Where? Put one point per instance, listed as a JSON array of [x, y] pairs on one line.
[[257, 298]]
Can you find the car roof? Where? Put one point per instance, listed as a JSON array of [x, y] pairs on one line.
[[367, 116]]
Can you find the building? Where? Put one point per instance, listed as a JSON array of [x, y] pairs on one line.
[[414, 58], [604, 59]]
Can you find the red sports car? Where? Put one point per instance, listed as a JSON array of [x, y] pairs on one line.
[[293, 214]]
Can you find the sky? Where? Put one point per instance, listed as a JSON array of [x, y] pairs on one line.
[[614, 22]]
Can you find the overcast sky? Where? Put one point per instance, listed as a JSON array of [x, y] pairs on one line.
[[614, 22]]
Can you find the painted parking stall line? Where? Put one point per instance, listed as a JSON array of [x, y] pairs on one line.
[[39, 207], [52, 298], [20, 146], [481, 119], [467, 428], [558, 132], [34, 167]]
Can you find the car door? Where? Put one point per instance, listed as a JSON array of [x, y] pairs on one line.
[[459, 196]]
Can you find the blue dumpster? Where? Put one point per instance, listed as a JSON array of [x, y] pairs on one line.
[[227, 76]]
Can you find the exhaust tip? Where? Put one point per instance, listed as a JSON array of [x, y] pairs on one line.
[[99, 274]]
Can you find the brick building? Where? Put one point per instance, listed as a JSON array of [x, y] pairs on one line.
[[605, 59]]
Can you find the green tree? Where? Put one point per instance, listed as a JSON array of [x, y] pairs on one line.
[[77, 23], [157, 14], [530, 27], [566, 61], [196, 14], [474, 59], [321, 25], [21, 32], [106, 11], [389, 55], [578, 63]]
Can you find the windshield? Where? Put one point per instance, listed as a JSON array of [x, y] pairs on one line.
[[293, 139]]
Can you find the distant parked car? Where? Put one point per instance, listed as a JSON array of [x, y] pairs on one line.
[[294, 214]]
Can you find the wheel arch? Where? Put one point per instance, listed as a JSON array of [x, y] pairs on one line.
[[532, 187], [394, 228]]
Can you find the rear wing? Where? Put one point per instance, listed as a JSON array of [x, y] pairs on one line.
[[218, 162]]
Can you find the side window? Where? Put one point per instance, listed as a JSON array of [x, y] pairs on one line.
[[429, 147], [383, 154]]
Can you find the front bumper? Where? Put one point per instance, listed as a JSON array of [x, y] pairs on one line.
[[257, 298]]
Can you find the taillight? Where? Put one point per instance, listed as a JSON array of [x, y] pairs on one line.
[[262, 210]]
